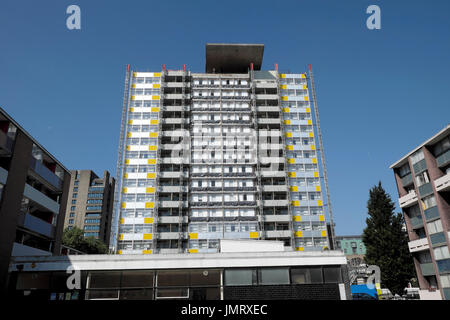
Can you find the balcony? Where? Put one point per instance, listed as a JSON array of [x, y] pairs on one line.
[[276, 203], [425, 190], [418, 245], [6, 144], [416, 222], [408, 200], [420, 166], [437, 239], [443, 159], [46, 173], [269, 120], [274, 188], [278, 234], [407, 180], [41, 199], [427, 269], [442, 183], [431, 213]]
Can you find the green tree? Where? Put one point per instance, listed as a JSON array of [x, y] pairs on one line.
[[386, 243], [75, 239]]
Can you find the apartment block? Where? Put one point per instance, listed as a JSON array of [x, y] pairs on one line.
[[423, 183], [90, 205], [33, 196], [230, 153]]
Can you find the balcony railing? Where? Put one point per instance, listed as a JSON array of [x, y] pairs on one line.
[[407, 180], [431, 213], [425, 190], [418, 245], [443, 183], [408, 199], [427, 269], [420, 166], [6, 143], [46, 173], [416, 222], [443, 159]]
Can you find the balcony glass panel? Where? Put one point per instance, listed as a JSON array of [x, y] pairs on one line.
[[45, 173]]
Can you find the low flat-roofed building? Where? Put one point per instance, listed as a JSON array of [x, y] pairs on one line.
[[208, 276]]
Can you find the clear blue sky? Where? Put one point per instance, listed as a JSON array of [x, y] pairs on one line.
[[380, 92]]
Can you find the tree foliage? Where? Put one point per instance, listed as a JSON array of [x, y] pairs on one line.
[[75, 239], [386, 243]]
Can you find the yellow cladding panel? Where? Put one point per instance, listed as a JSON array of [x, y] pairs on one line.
[[149, 204], [152, 148], [295, 203], [313, 147], [283, 86], [319, 203], [153, 121], [121, 236], [153, 134], [282, 75], [316, 174], [300, 249], [193, 250], [291, 160], [321, 217], [124, 190], [155, 97], [123, 205], [306, 98], [303, 76], [299, 234], [146, 251], [311, 134], [125, 175], [150, 190], [193, 235], [130, 121], [254, 235], [317, 188], [148, 236], [148, 220], [133, 86], [128, 147], [122, 220], [308, 110], [297, 218], [314, 160], [324, 233], [129, 134], [127, 161], [288, 134], [287, 121], [156, 86], [155, 109], [132, 97], [131, 109], [292, 174], [293, 188], [309, 122], [119, 252], [151, 175], [151, 161], [290, 147], [134, 74], [157, 74], [284, 98], [285, 109], [305, 86]]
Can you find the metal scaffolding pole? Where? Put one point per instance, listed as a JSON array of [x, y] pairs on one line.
[[322, 156], [119, 168]]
